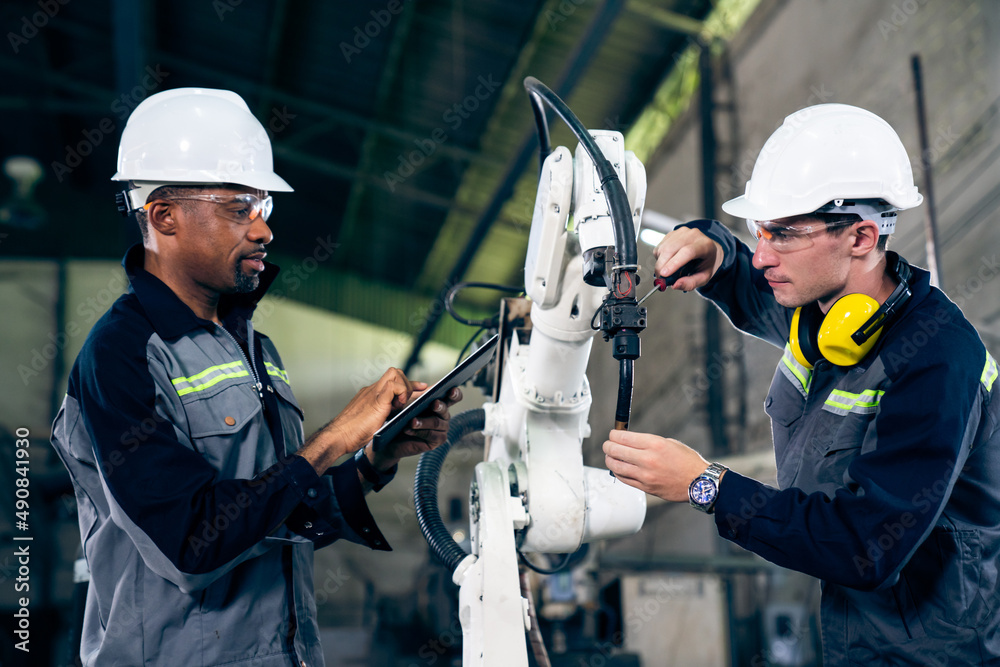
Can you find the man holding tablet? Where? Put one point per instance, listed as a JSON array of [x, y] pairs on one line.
[[199, 502]]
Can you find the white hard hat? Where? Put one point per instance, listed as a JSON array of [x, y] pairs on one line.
[[195, 135], [827, 153]]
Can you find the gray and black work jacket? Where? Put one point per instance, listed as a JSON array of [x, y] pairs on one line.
[[198, 523], [888, 475]]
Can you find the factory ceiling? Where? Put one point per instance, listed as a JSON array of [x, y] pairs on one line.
[[403, 126]]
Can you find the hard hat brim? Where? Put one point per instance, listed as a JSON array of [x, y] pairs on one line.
[[262, 181], [741, 207]]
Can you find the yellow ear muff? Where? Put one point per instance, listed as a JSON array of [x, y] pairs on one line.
[[846, 316], [797, 338]]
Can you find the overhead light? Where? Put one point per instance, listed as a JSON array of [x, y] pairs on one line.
[[21, 209], [655, 226]]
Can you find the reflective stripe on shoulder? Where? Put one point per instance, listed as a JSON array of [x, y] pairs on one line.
[[277, 372], [841, 402], [989, 372], [796, 373], [209, 377]]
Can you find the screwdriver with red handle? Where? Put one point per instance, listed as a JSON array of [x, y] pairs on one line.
[[660, 284]]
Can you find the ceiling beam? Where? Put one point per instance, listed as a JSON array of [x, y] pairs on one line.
[[277, 24], [56, 80], [51, 106], [678, 88], [457, 227], [587, 47], [318, 164], [337, 116], [308, 105], [362, 298], [666, 18], [129, 19], [343, 172], [387, 80]]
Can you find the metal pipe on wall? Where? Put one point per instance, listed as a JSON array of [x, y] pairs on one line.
[[714, 371], [933, 258], [713, 333]]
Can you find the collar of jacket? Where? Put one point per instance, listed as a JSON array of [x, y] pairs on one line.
[[170, 316]]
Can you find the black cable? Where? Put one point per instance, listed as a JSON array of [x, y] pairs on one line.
[[594, 317], [468, 343], [542, 125], [541, 570], [569, 560], [626, 252], [614, 192], [455, 289]]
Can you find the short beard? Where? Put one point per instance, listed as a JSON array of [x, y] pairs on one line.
[[244, 283]]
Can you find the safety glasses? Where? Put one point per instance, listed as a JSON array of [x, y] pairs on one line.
[[787, 238], [240, 208]]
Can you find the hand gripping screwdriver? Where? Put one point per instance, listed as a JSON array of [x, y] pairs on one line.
[[660, 284]]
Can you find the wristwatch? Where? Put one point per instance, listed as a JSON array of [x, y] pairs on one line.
[[705, 488], [376, 478]]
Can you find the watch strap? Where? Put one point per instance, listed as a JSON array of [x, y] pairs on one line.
[[713, 473], [377, 479]]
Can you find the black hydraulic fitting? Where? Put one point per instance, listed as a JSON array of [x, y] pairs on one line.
[[625, 345]]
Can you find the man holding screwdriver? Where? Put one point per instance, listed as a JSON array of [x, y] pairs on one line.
[[884, 406], [200, 501]]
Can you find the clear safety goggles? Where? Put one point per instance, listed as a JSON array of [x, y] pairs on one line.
[[242, 208], [789, 238]]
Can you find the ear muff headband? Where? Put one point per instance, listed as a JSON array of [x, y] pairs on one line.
[[900, 270], [851, 327]]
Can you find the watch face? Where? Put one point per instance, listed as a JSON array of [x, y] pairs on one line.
[[703, 491]]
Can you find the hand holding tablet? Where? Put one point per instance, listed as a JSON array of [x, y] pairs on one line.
[[455, 378]]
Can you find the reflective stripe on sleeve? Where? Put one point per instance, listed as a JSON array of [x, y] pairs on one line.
[[989, 372]]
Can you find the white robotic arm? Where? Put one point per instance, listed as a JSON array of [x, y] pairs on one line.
[[533, 493]]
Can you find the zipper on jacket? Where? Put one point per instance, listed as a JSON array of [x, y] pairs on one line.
[[253, 369]]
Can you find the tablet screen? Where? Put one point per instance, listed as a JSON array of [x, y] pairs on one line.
[[455, 378]]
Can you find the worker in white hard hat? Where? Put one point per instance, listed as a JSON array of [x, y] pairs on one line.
[[884, 407], [200, 500]]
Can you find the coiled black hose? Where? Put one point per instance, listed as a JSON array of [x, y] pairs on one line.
[[425, 489]]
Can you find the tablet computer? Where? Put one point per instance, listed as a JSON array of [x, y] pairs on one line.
[[455, 378]]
